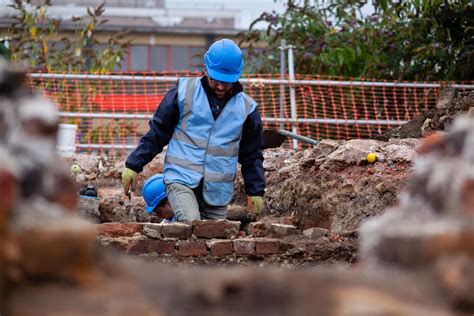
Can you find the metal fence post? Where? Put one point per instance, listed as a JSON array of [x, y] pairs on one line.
[[291, 73], [282, 86]]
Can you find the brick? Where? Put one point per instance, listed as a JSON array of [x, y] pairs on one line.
[[315, 232], [259, 229], [267, 246], [116, 244], [61, 247], [152, 230], [162, 247], [220, 247], [177, 230], [244, 246], [281, 230], [221, 228], [89, 208], [192, 248], [137, 245], [118, 229]]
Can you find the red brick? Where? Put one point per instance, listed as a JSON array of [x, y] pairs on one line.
[[220, 247], [267, 246], [176, 230], [118, 229], [244, 246], [137, 245], [162, 247], [194, 248], [221, 228]]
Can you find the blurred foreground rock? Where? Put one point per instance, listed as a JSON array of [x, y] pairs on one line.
[[431, 232]]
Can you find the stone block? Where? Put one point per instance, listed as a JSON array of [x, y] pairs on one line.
[[118, 244], [244, 246], [267, 246], [259, 229], [152, 230], [221, 228], [315, 232], [177, 230], [220, 247], [89, 208], [118, 229], [162, 247], [292, 248], [192, 248], [281, 230], [426, 244], [61, 248]]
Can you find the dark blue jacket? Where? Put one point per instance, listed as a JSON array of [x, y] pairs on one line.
[[166, 118]]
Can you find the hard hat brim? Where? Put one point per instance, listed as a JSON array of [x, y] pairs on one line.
[[149, 209], [231, 78]]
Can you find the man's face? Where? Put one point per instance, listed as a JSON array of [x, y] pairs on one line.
[[220, 88], [164, 211]]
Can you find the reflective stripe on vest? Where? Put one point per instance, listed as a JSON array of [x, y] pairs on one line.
[[202, 147]]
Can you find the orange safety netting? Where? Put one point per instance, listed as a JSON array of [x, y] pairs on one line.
[[112, 111]]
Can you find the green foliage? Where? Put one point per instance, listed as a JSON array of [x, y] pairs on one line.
[[34, 41], [404, 40]]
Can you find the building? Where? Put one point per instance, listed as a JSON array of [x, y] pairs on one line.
[[167, 35]]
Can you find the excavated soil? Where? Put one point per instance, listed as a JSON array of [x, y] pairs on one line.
[[331, 186], [451, 104]]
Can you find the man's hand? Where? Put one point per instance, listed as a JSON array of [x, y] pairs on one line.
[[255, 203], [129, 180]]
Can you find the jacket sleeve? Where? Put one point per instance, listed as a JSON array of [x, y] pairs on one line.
[[251, 154], [161, 130]]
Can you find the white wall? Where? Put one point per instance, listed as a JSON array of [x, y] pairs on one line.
[[245, 11]]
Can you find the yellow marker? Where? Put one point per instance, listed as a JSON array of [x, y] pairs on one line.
[[75, 169], [371, 157]]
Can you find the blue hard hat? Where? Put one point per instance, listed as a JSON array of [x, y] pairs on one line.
[[154, 192], [224, 61]]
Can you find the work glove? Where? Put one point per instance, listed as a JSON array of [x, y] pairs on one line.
[[129, 180], [255, 203]]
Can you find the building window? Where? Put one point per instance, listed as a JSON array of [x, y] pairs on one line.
[[139, 58], [180, 58], [163, 58], [159, 58], [196, 58]]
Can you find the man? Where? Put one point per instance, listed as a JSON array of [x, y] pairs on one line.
[[209, 124], [155, 198]]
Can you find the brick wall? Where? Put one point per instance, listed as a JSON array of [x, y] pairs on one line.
[[222, 239]]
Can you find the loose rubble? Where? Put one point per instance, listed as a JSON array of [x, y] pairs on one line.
[[451, 103]]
